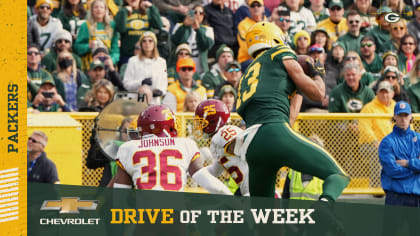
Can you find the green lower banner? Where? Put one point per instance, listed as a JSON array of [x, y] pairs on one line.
[[79, 210]]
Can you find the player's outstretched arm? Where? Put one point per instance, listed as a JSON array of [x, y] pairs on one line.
[[203, 177], [313, 88], [120, 180]]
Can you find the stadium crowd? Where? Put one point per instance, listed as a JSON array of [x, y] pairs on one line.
[[174, 51], [179, 53]]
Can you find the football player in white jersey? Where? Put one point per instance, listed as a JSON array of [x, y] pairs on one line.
[[159, 160], [210, 117]]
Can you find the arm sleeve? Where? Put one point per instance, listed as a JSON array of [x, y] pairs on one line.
[[210, 183], [115, 50], [121, 20], [414, 164], [81, 46], [115, 79], [181, 33], [215, 169], [154, 17], [334, 103], [389, 164], [205, 38], [162, 77], [413, 100], [131, 80], [53, 174]]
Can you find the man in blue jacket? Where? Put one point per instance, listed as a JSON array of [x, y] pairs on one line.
[[399, 154]]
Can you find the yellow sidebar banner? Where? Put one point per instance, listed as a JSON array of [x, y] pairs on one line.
[[13, 169]]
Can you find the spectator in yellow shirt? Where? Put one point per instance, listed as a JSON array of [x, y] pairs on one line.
[[373, 130], [336, 24], [256, 10]]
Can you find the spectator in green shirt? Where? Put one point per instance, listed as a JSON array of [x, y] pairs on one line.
[[371, 61], [351, 39], [351, 95]]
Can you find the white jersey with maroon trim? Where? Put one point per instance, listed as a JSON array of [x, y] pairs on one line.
[[158, 163], [237, 168]]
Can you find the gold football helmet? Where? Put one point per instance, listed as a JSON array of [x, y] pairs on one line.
[[263, 35]]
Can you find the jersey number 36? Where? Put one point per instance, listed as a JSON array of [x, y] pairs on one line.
[[162, 175]]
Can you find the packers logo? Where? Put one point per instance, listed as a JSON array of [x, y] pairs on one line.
[[354, 105], [392, 17], [137, 25]]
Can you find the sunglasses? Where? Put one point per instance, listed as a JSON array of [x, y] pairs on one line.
[[45, 7], [350, 58], [33, 140], [286, 20], [63, 41], [199, 12], [391, 77], [316, 50], [30, 53], [398, 28], [362, 45], [255, 4], [184, 54], [184, 69], [354, 21], [408, 43], [147, 40], [233, 70], [335, 8]]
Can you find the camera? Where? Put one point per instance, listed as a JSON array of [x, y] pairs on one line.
[[191, 13], [48, 94]]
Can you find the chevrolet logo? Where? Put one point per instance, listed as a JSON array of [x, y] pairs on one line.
[[69, 205]]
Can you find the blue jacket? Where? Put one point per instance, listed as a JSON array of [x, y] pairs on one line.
[[400, 145]]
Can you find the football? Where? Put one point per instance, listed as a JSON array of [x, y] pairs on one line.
[[302, 62]]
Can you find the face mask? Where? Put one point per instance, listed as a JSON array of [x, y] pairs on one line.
[[64, 63]]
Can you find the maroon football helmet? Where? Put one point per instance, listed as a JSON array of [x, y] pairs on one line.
[[158, 120], [211, 115]]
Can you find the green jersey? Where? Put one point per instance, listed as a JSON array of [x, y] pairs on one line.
[[265, 89]]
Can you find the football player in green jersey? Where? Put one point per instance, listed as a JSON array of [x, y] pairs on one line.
[[264, 95]]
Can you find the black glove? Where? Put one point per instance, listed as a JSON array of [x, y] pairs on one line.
[[316, 68], [147, 81], [157, 93]]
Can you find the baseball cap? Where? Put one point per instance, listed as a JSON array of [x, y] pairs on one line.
[[259, 1], [183, 46], [402, 107], [382, 10], [41, 2], [48, 81], [185, 62], [385, 85], [95, 64], [227, 89], [232, 63], [316, 48], [334, 3], [223, 48]]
